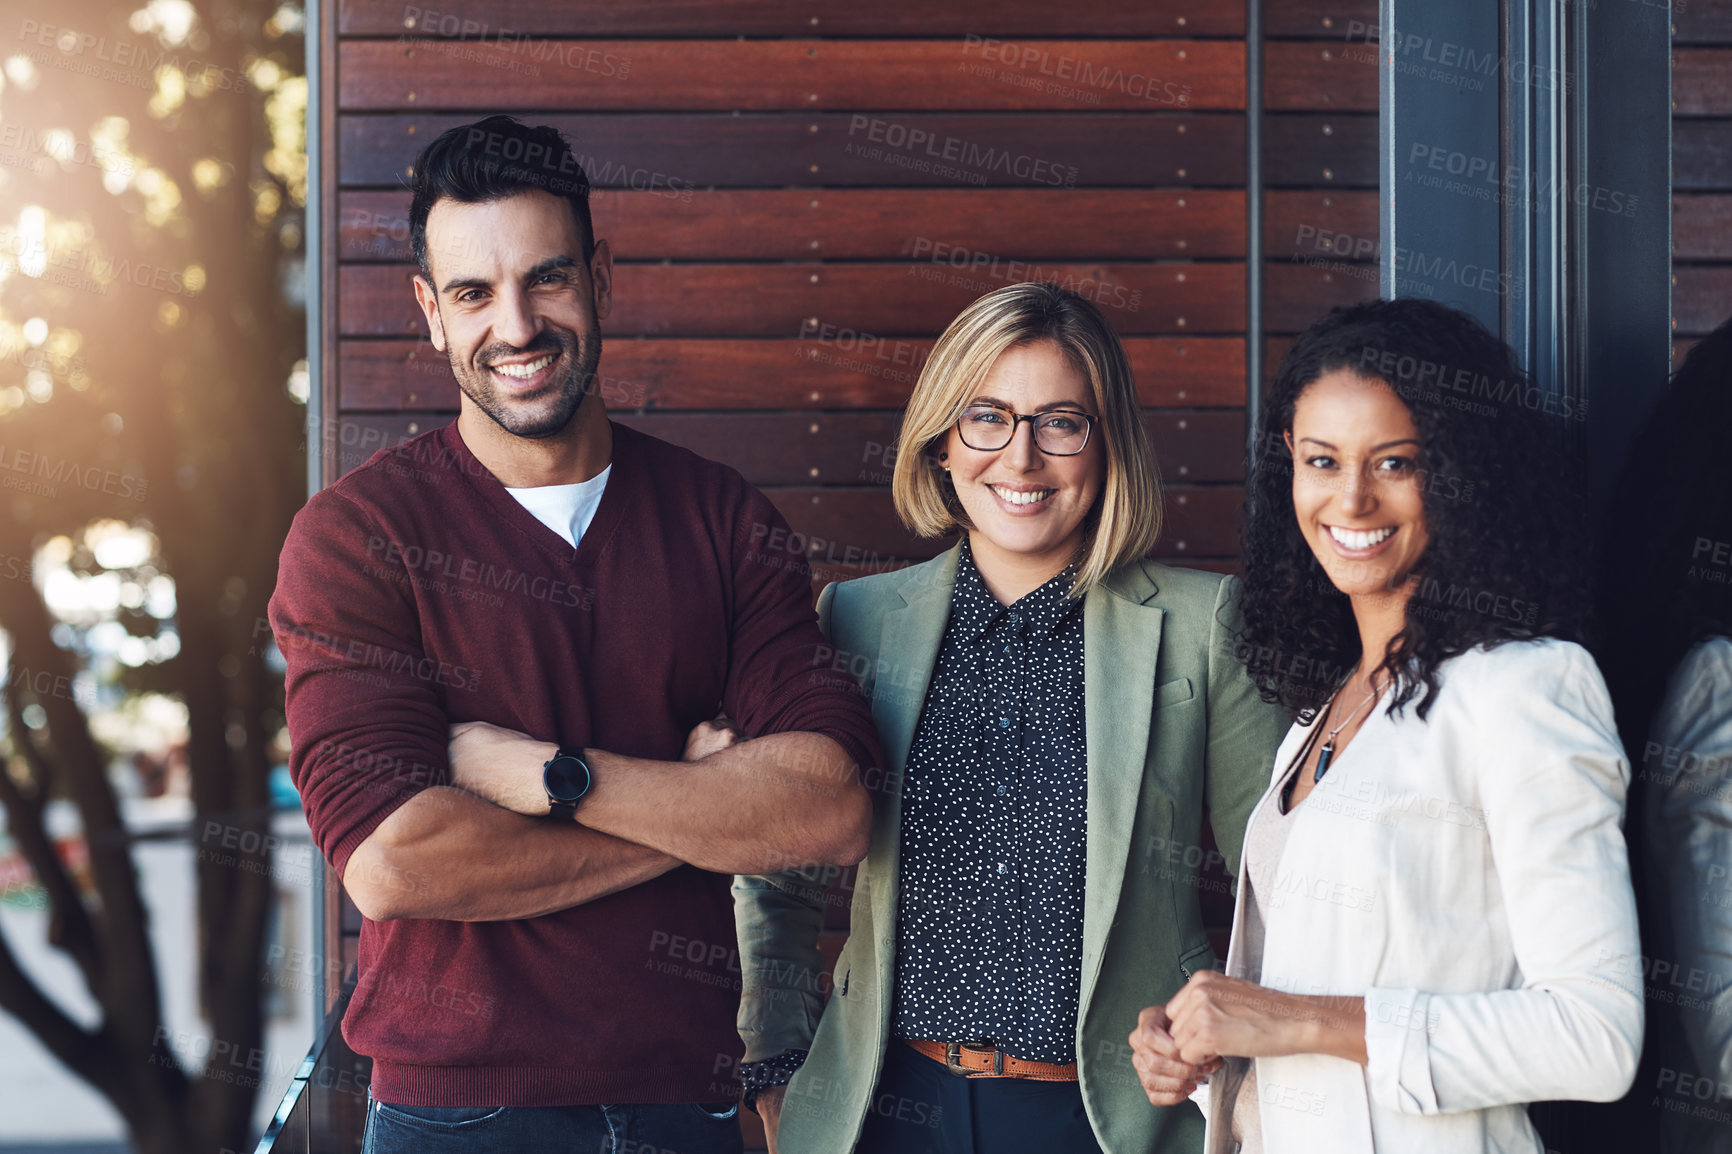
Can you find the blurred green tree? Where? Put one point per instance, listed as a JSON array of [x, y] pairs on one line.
[[152, 194]]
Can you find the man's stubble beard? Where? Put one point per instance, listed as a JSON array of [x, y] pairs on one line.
[[543, 417]]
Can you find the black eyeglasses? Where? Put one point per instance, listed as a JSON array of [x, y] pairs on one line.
[[1057, 432]]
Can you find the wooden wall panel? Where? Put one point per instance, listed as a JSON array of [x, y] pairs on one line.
[[1701, 84], [1320, 19], [1701, 296], [1702, 171], [478, 19], [1320, 150], [1702, 154], [853, 301], [960, 228], [1329, 74], [1703, 22], [788, 231], [409, 375], [1320, 165], [779, 75], [678, 153], [1702, 227], [798, 199]]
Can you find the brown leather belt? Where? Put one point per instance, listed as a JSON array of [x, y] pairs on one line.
[[972, 1060]]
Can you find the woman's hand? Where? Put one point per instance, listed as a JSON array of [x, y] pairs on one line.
[[709, 737], [1215, 1016], [501, 765], [1166, 1077], [768, 1103]]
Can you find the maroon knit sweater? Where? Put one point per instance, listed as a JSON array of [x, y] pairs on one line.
[[416, 592]]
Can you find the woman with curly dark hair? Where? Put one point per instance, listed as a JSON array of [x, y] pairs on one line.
[[1435, 924]]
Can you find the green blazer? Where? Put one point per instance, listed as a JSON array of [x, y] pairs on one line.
[[1172, 721]]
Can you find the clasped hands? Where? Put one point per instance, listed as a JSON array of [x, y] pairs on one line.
[[1176, 1046], [504, 766]]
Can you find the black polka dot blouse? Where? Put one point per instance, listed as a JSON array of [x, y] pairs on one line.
[[994, 828]]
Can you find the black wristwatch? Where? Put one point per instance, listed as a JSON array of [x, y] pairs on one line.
[[566, 778]]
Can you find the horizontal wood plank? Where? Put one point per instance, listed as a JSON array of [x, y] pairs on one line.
[[676, 154], [1301, 224], [1701, 298], [1702, 155], [492, 19], [972, 73], [1320, 19], [1332, 75], [645, 374], [956, 228], [1309, 150], [1702, 81], [1274, 352], [838, 303], [1703, 22], [1295, 295], [842, 310], [1702, 228]]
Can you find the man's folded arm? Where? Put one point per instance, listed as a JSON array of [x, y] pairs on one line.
[[450, 855], [784, 801], [782, 682], [368, 727]]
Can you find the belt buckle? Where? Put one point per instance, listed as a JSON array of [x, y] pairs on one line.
[[953, 1060]]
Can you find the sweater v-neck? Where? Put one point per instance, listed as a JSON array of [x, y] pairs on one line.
[[608, 512]]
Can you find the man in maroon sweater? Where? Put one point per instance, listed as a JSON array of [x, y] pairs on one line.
[[576, 599]]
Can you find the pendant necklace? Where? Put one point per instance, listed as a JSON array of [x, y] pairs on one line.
[[1327, 753]]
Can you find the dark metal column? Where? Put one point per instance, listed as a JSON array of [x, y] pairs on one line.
[[319, 895], [1525, 172], [1254, 339], [1439, 122], [1622, 239]]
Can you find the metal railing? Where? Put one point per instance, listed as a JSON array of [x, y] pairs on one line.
[[325, 1108]]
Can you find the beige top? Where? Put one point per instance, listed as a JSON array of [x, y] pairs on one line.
[[1265, 841]]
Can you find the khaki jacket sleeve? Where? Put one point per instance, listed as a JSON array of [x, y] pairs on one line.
[[778, 918]]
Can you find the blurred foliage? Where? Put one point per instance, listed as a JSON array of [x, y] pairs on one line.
[[153, 187]]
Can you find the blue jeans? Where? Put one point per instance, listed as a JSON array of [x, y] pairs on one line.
[[713, 1128], [919, 1107]]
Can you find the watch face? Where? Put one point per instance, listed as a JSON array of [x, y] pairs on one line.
[[566, 778]]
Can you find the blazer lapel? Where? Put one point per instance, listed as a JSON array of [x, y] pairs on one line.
[[907, 650], [1121, 640]]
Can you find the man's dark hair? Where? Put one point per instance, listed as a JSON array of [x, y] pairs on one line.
[[491, 160]]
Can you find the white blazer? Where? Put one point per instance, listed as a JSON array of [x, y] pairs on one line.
[[1467, 876]]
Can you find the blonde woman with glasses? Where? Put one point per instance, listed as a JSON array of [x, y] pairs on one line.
[[1057, 714]]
